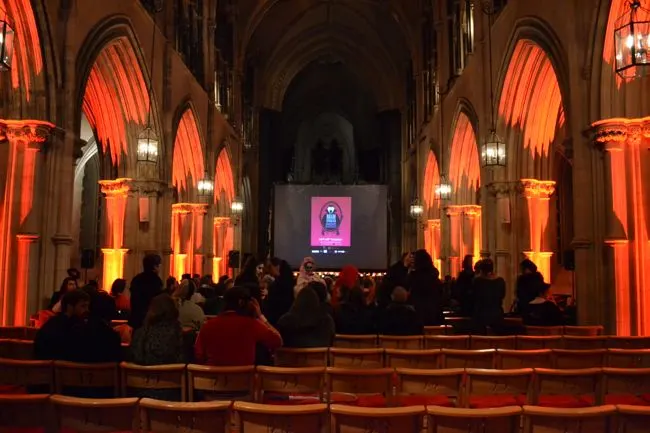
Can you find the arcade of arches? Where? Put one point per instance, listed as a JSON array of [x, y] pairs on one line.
[[249, 93]]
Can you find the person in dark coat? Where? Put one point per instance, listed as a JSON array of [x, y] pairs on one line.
[[463, 288], [306, 324], [541, 311], [395, 276], [425, 289], [144, 287], [400, 318], [529, 284], [248, 278], [353, 316], [489, 291], [280, 296], [68, 284]]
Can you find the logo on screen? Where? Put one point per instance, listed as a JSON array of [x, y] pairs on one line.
[[331, 217]]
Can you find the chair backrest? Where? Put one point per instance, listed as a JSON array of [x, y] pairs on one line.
[[89, 415], [71, 378], [312, 357], [633, 419], [19, 374], [583, 330], [628, 358], [138, 378], [30, 411], [30, 333], [514, 359], [221, 382], [574, 359], [355, 341], [426, 359], [585, 342], [626, 381], [482, 382], [452, 358], [359, 419], [446, 342], [447, 382], [478, 342], [285, 381], [544, 330], [13, 332], [264, 418], [16, 349], [582, 382], [171, 417], [356, 358], [410, 342], [360, 382], [615, 342], [555, 420], [437, 330], [536, 342], [456, 420]]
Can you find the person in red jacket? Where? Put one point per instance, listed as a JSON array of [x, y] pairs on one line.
[[231, 337]]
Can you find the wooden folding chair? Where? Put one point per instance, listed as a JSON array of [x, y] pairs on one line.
[[626, 386], [437, 330], [285, 385], [583, 331], [632, 419], [498, 388], [544, 330], [514, 359], [221, 383], [575, 359], [424, 359], [365, 388], [459, 342], [167, 382], [89, 415], [30, 333], [26, 376], [567, 388], [591, 342], [537, 342], [468, 358], [459, 325], [429, 387], [356, 358], [456, 420], [264, 418], [13, 332], [385, 420], [17, 349], [553, 420], [478, 342], [99, 380], [355, 341], [170, 417], [615, 342], [410, 342], [628, 358], [312, 357], [25, 413]]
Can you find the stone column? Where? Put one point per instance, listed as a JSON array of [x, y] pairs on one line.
[[501, 232], [187, 238], [221, 247], [116, 193], [198, 219], [455, 237], [537, 194], [19, 228], [472, 231], [434, 241]]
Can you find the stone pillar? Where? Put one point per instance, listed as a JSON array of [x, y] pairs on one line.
[[187, 238], [221, 247], [19, 228], [472, 231], [455, 238], [198, 222], [116, 193], [537, 194], [500, 231], [433, 236]]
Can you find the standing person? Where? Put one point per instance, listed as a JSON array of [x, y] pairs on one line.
[[144, 287], [463, 287], [425, 289], [280, 296], [347, 280], [395, 276], [248, 278], [306, 275], [489, 291], [353, 316], [307, 323]]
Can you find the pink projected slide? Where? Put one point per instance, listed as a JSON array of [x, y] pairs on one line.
[[331, 221]]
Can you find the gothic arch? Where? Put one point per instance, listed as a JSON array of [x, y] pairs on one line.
[[431, 179], [224, 183], [464, 164], [114, 93], [188, 163]]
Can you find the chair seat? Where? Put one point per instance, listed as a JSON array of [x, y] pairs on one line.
[[12, 389], [565, 401], [425, 400], [628, 399], [494, 401], [290, 400]]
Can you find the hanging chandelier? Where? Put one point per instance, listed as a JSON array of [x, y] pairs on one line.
[[632, 42], [493, 151], [416, 209], [442, 190], [205, 186], [148, 145], [6, 42]]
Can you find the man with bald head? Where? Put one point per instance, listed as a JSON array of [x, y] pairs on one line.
[[400, 318]]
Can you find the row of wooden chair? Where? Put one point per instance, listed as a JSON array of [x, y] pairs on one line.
[[45, 413]]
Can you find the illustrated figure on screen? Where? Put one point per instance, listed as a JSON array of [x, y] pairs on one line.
[[330, 218]]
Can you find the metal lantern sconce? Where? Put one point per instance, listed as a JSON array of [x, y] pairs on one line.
[[442, 190], [632, 42], [493, 151], [236, 210], [148, 146], [416, 210], [205, 186], [7, 35]]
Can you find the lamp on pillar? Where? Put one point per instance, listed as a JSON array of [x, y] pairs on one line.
[[236, 209], [632, 42], [148, 146], [6, 42], [443, 189], [416, 209], [205, 186]]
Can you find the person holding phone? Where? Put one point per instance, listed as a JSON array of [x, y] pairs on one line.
[[306, 275]]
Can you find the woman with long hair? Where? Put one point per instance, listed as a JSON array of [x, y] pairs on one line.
[[68, 284], [160, 340], [306, 324], [249, 278], [280, 291], [425, 289]]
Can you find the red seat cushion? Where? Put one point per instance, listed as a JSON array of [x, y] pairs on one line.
[[425, 400], [12, 389], [492, 401], [565, 401], [371, 401], [629, 399]]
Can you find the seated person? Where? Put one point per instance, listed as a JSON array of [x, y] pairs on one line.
[[399, 317], [189, 313], [160, 340], [231, 337], [307, 324], [541, 311], [353, 316], [122, 302]]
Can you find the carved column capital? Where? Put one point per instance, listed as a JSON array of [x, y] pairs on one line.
[[434, 223], [453, 210], [33, 132], [221, 221], [500, 189], [472, 211], [115, 187], [536, 188], [185, 208], [612, 134]]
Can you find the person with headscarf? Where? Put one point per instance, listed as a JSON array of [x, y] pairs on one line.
[[306, 275], [347, 280]]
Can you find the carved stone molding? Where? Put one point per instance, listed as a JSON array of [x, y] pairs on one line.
[[115, 187], [33, 132], [501, 189], [434, 223], [154, 188], [221, 221], [471, 211], [61, 239], [581, 243], [453, 210], [185, 208], [536, 188], [613, 133]]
